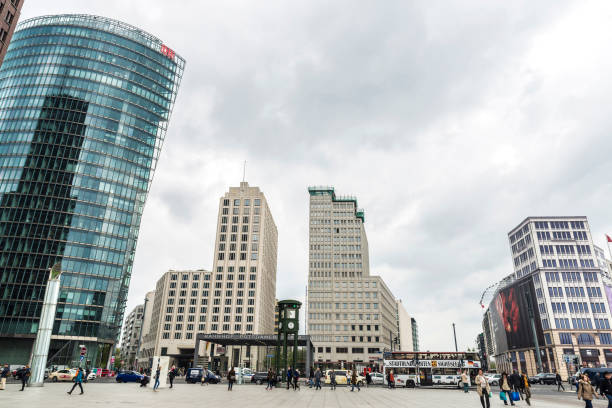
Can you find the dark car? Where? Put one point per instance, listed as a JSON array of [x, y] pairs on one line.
[[260, 377], [543, 378], [194, 375], [595, 374], [128, 376]]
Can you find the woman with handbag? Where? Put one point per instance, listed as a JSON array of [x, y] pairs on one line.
[[504, 385], [483, 389], [231, 378]]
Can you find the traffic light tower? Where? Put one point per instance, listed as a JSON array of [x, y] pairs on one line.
[[289, 323]]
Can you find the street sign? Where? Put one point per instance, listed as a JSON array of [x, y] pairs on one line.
[[270, 355], [82, 357]]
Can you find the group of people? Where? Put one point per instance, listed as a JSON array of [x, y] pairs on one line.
[[515, 382], [172, 373]]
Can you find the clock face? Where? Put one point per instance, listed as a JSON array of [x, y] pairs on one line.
[[291, 325], [291, 314]]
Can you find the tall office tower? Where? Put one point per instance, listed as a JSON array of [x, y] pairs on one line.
[[415, 334], [351, 314], [84, 106], [144, 330], [246, 246], [9, 15], [178, 312], [404, 329], [556, 274], [130, 336]]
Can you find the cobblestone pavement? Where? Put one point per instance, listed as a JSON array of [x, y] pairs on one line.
[[253, 396]]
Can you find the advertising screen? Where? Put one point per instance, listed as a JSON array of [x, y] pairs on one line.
[[510, 317]]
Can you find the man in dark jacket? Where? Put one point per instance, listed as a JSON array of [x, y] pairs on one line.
[[24, 376], [605, 387], [289, 377], [171, 375], [559, 382], [515, 382]]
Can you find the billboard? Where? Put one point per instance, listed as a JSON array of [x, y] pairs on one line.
[[510, 317]]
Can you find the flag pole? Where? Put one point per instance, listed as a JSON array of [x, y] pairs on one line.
[[608, 242]]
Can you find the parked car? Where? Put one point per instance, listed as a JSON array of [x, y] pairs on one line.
[[543, 378], [493, 379], [62, 375], [194, 375], [341, 377], [128, 376], [106, 373], [377, 378], [260, 377], [91, 376]]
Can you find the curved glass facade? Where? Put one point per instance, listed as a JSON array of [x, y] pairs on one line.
[[84, 106]]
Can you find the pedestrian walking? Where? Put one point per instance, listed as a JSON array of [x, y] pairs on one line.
[[231, 378], [354, 382], [311, 378], [78, 380], [391, 380], [24, 376], [586, 391], [332, 379], [289, 377], [171, 374], [156, 385], [270, 379], [605, 387], [296, 378], [515, 382], [368, 379], [559, 382], [483, 389], [526, 388], [465, 382], [505, 387], [317, 378]]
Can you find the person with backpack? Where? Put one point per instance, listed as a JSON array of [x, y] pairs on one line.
[[289, 377], [78, 380], [526, 388], [171, 375]]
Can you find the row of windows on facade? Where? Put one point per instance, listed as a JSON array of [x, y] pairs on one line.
[[335, 247], [360, 339], [245, 211], [336, 230], [336, 222], [206, 285], [578, 323], [530, 254], [337, 265], [565, 249], [325, 284], [246, 202], [318, 255], [562, 236], [568, 263], [585, 338], [203, 309], [571, 291], [343, 316], [574, 307], [337, 274], [570, 276], [559, 225], [344, 350], [342, 295], [213, 327], [344, 327], [217, 301]]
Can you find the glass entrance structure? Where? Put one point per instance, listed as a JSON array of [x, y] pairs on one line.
[[84, 106]]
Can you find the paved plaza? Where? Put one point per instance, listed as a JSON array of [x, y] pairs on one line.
[[252, 396]]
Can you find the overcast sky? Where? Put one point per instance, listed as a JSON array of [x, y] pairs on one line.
[[451, 121]]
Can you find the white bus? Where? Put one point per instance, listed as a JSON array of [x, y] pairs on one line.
[[413, 369]]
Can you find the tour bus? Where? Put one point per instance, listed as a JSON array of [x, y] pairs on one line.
[[414, 369]]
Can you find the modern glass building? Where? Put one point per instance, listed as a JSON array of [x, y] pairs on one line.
[[84, 106]]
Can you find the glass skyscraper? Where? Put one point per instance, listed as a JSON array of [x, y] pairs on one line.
[[84, 106]]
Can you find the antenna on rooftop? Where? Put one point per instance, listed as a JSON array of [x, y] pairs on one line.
[[244, 171]]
